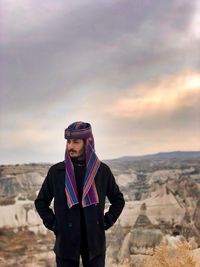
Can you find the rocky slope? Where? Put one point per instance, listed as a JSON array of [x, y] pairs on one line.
[[167, 185]]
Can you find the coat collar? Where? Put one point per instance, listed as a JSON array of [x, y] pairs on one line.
[[60, 166]]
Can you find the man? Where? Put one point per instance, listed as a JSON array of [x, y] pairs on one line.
[[79, 186]]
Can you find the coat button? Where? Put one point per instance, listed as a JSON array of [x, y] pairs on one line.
[[69, 224], [97, 222]]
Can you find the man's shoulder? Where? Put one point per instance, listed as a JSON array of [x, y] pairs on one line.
[[105, 171], [104, 166], [58, 166]]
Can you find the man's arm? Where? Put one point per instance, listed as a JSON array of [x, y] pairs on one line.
[[43, 202], [116, 199]]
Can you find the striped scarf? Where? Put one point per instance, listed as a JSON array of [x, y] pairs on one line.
[[81, 130]]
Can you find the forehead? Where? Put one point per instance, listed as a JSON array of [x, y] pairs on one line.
[[74, 140]]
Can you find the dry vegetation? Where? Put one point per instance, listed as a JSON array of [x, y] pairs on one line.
[[165, 256], [24, 248], [7, 201]]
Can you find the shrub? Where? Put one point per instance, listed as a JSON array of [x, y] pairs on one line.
[[166, 256], [7, 201]]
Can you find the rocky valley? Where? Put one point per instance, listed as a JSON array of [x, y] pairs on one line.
[[162, 193]]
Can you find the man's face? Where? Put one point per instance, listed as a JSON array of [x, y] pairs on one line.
[[76, 148]]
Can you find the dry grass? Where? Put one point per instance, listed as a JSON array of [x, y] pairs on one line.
[[166, 256], [7, 201]]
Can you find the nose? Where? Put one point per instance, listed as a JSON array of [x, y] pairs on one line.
[[70, 146]]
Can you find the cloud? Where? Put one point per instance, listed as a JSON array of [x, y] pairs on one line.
[[113, 63], [163, 96], [195, 22], [158, 115], [53, 49], [25, 21]]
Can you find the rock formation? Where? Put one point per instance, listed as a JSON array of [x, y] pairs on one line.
[[143, 236]]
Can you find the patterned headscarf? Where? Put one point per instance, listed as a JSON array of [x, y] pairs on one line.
[[81, 130]]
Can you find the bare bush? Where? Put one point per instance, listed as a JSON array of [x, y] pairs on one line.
[[166, 256]]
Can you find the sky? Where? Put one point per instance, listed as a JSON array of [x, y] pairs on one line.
[[130, 68]]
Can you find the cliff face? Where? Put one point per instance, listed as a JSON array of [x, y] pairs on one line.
[[12, 185], [196, 217], [18, 189], [15, 179], [24, 240]]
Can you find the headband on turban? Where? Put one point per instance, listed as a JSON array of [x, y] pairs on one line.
[[81, 130]]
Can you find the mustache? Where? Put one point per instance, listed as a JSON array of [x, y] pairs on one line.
[[71, 150]]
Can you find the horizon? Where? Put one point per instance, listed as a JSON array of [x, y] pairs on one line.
[[110, 159]]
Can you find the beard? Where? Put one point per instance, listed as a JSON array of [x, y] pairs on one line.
[[76, 154]]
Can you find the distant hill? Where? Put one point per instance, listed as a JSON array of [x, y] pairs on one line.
[[181, 155]]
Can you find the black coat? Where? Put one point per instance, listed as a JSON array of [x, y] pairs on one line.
[[65, 222]]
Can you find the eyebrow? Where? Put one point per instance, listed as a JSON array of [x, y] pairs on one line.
[[73, 139]]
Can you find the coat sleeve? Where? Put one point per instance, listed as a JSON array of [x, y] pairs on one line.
[[43, 201], [116, 199]]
